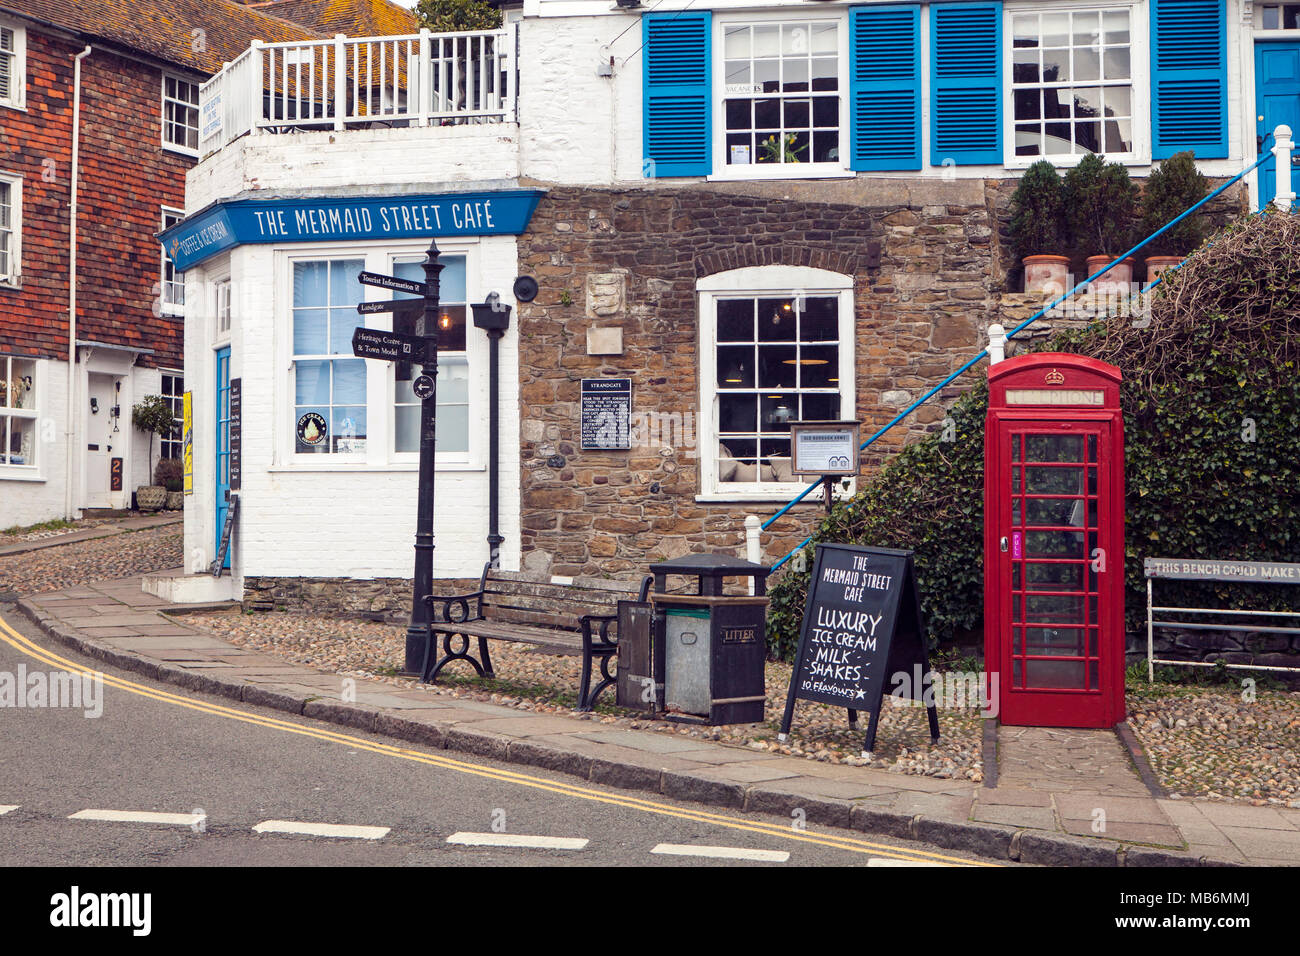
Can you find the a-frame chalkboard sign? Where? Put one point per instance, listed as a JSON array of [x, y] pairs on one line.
[[861, 626]]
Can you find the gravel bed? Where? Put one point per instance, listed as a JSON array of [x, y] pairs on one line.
[[21, 537], [100, 559], [1216, 743], [545, 682]]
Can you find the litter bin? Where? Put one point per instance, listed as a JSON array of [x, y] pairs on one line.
[[710, 647]]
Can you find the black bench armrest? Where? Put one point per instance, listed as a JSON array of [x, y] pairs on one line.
[[602, 638], [454, 608]]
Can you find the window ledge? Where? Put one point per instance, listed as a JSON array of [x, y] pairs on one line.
[[180, 150], [757, 497], [362, 467], [7, 475], [734, 174]]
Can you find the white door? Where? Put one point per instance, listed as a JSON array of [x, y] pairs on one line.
[[99, 441]]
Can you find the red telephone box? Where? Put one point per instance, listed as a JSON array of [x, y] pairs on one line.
[[1054, 541]]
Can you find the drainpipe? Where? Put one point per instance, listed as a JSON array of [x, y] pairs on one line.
[[494, 318], [71, 427]]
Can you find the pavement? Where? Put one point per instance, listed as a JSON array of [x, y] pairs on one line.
[[1063, 797]]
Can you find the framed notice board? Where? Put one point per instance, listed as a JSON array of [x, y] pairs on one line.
[[862, 624]]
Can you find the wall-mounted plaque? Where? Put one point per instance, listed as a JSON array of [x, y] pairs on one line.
[[824, 448], [606, 413]]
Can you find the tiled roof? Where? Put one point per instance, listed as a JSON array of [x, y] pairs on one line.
[[358, 18], [166, 29]]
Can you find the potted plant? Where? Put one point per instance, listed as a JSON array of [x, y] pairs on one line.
[[1173, 187], [1038, 229], [154, 416], [1101, 203], [170, 473]]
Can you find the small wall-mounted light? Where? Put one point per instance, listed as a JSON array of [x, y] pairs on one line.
[[94, 406]]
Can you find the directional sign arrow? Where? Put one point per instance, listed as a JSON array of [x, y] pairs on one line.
[[393, 305], [394, 346], [390, 282]]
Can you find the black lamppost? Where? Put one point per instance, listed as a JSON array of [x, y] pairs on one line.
[[494, 318], [426, 389]]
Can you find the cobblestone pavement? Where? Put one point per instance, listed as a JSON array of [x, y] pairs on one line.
[[82, 562], [1222, 743], [543, 682]]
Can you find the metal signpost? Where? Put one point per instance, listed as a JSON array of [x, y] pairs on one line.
[[422, 347]]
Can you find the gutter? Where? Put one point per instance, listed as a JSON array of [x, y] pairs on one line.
[[69, 508]]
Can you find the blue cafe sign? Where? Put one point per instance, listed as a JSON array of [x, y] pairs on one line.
[[230, 224]]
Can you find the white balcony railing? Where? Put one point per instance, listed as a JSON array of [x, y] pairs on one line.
[[425, 79]]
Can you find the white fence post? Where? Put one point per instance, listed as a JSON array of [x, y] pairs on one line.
[[997, 343], [340, 81], [1282, 146], [254, 90], [423, 79], [753, 544]]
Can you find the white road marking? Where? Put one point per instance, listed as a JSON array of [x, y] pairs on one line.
[[884, 861], [518, 840], [722, 852], [139, 816], [6, 809], [322, 829]]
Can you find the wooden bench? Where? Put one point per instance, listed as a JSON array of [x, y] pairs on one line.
[[509, 606]]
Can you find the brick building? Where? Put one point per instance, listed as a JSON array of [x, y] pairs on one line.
[[121, 79], [753, 213]]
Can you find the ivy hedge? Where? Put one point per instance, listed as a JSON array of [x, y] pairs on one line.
[[1211, 404]]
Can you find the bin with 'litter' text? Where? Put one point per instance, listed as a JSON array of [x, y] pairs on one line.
[[710, 647]]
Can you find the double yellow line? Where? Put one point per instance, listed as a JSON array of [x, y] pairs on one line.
[[11, 637]]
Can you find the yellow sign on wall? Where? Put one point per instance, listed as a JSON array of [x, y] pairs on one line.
[[188, 417]]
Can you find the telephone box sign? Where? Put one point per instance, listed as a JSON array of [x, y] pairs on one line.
[[332, 219], [1054, 541]]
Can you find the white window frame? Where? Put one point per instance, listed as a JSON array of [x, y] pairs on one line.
[[17, 98], [31, 470], [170, 216], [1276, 33], [223, 309], [380, 454], [14, 276], [459, 358], [1139, 78], [766, 282], [760, 171], [164, 99], [176, 401]]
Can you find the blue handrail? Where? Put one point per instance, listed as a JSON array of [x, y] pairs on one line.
[[983, 353]]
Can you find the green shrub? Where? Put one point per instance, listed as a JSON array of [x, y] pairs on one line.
[[170, 473], [1212, 445], [154, 416], [452, 16], [1101, 204], [1038, 212], [1173, 187]]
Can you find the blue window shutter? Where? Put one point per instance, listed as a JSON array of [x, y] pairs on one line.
[[1189, 78], [966, 83], [885, 87], [678, 94]]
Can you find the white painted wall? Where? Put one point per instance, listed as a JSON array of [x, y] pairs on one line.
[[307, 519], [579, 128], [355, 160]]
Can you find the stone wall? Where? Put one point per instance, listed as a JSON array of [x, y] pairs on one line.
[[630, 259], [378, 599]]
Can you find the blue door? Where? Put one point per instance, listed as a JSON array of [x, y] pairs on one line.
[[223, 443], [1277, 101]]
